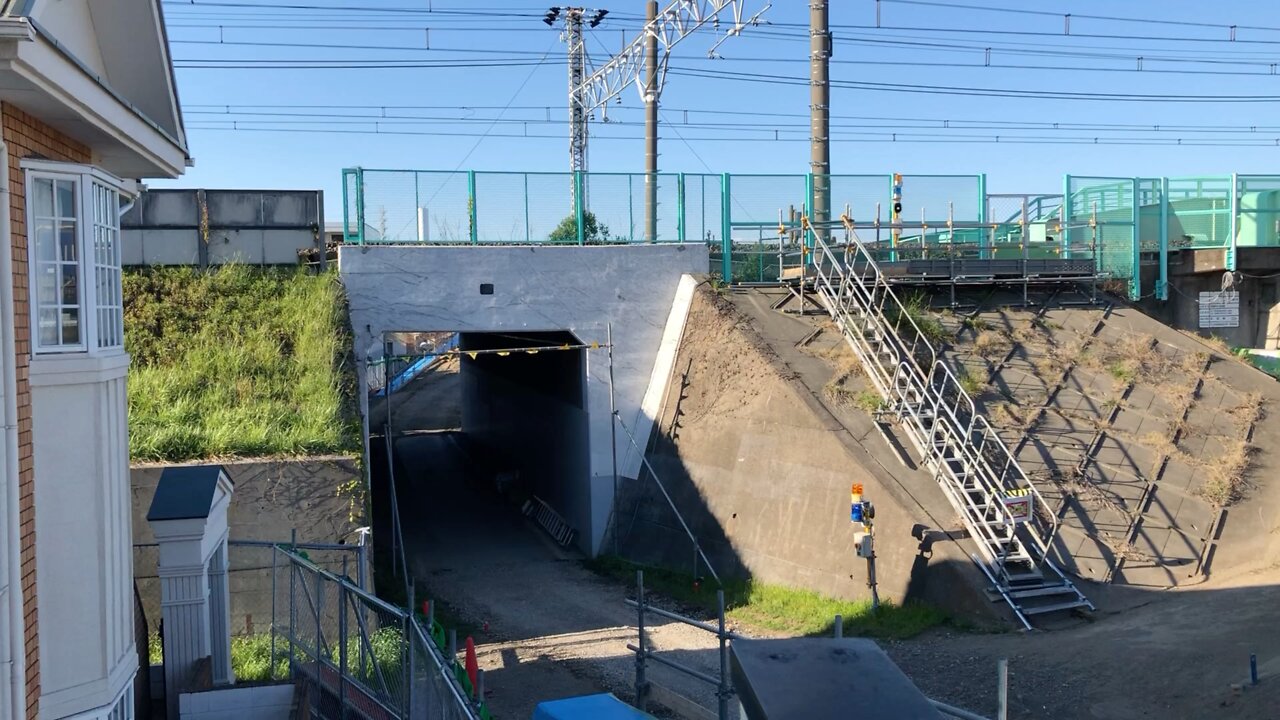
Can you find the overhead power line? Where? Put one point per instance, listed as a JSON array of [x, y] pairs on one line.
[[843, 137], [1083, 16]]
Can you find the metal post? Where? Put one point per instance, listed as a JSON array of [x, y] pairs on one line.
[[839, 627], [1135, 285], [528, 232], [1253, 669], [360, 202], [680, 207], [342, 643], [726, 229], [613, 433], [642, 684], [479, 687], [631, 208], [577, 110], [1233, 225], [651, 127], [1064, 229], [580, 205], [293, 600], [724, 691], [471, 211], [1002, 689], [820, 112], [319, 604], [1162, 285], [274, 550]]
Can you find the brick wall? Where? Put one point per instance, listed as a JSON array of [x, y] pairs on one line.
[[26, 136]]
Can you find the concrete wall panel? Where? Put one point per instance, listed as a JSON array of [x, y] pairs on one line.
[[582, 290]]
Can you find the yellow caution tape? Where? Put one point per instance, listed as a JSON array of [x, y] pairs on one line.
[[473, 355]]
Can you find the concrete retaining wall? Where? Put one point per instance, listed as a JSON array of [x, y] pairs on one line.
[[762, 473], [271, 498], [582, 290]]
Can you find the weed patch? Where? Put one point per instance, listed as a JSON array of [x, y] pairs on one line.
[[779, 609]]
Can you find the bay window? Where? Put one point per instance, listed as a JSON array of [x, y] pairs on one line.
[[73, 242]]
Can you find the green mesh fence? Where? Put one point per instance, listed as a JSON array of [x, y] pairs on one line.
[[1199, 212], [1258, 222], [1101, 222]]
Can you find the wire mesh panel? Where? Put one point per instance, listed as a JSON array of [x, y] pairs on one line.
[[1199, 212], [755, 204], [1258, 221], [1102, 221], [350, 212], [938, 197], [862, 196], [438, 211], [702, 204], [1150, 210]]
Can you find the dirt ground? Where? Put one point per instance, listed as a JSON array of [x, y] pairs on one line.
[[549, 628]]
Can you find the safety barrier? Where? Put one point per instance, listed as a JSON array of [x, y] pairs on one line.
[[357, 656]]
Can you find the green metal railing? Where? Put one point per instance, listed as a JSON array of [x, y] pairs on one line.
[[752, 222]]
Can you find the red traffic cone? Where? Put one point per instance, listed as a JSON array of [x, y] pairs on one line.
[[473, 667]]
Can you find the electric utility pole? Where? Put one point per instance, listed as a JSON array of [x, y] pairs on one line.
[[577, 47], [820, 110], [647, 55], [651, 127]]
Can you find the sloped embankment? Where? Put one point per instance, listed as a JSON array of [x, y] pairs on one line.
[[238, 361], [761, 470]]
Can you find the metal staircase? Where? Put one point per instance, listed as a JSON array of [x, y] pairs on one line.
[[1005, 515]]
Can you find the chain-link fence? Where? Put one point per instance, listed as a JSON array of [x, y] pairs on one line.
[[249, 579], [357, 656]]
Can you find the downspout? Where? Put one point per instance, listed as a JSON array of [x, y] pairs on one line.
[[14, 664]]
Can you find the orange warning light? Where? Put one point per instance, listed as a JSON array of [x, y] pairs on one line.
[[897, 178], [857, 489]]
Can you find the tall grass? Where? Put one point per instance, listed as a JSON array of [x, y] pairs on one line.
[[237, 361]]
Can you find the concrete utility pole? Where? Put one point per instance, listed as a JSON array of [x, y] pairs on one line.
[[651, 127], [820, 109]]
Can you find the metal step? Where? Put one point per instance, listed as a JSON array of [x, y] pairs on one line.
[[1043, 591], [1041, 609]]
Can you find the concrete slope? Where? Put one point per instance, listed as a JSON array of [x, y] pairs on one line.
[[1150, 445], [759, 464]]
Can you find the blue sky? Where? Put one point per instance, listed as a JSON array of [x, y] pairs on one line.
[[722, 115]]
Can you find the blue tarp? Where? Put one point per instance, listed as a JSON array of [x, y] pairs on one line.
[[588, 707], [419, 365]]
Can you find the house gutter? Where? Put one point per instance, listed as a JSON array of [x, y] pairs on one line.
[[13, 662]]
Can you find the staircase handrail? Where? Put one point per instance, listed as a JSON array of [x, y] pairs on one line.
[[930, 386]]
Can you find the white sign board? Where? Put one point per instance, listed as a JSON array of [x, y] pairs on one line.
[[1220, 309]]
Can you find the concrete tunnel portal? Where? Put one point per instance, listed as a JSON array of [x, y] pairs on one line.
[[480, 429], [526, 410]]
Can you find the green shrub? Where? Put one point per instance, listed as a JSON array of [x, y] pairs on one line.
[[593, 231], [237, 361]]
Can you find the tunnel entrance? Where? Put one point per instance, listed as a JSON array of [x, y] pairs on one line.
[[486, 423]]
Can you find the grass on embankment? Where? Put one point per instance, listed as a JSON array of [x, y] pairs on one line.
[[237, 361], [779, 609]]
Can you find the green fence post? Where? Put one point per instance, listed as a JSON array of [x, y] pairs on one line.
[[579, 207], [726, 228], [989, 249], [471, 207], [631, 208], [1064, 231], [528, 232], [347, 175], [360, 202], [1135, 285], [806, 242], [1162, 285], [680, 207], [417, 209], [1234, 225]]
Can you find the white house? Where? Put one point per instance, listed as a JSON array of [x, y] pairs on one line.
[[88, 108]]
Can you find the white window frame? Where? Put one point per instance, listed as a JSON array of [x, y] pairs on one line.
[[84, 177]]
